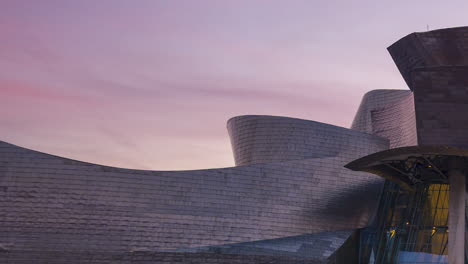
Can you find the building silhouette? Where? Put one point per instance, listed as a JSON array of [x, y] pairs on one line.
[[391, 189]]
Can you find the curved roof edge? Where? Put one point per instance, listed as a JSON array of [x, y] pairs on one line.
[[285, 118], [133, 170], [430, 31], [316, 123], [371, 92], [87, 163]]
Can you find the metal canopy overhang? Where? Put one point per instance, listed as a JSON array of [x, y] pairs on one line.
[[381, 163]]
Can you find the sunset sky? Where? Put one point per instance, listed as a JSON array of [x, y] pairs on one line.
[[150, 84]]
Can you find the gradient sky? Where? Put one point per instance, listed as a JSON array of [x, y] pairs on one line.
[[150, 84]]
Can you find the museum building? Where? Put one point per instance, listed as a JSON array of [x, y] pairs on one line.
[[390, 189]]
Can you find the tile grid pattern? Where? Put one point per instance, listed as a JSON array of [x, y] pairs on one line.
[[263, 139], [444, 47], [51, 202], [389, 114], [441, 102]]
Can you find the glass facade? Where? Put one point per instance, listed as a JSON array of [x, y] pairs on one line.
[[410, 227]]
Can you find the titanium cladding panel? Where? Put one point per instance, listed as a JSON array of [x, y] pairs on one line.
[[52, 205]]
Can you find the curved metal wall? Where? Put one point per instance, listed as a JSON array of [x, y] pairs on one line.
[[389, 114], [52, 204], [262, 139]]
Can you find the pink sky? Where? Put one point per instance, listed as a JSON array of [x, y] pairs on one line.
[[150, 84]]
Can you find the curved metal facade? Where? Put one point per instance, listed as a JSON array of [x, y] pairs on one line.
[[263, 139], [389, 114], [416, 225], [288, 199], [52, 204]]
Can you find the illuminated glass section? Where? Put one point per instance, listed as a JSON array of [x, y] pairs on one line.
[[410, 227]]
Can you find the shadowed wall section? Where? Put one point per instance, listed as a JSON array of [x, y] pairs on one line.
[[435, 66], [318, 246], [443, 47], [441, 100]]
